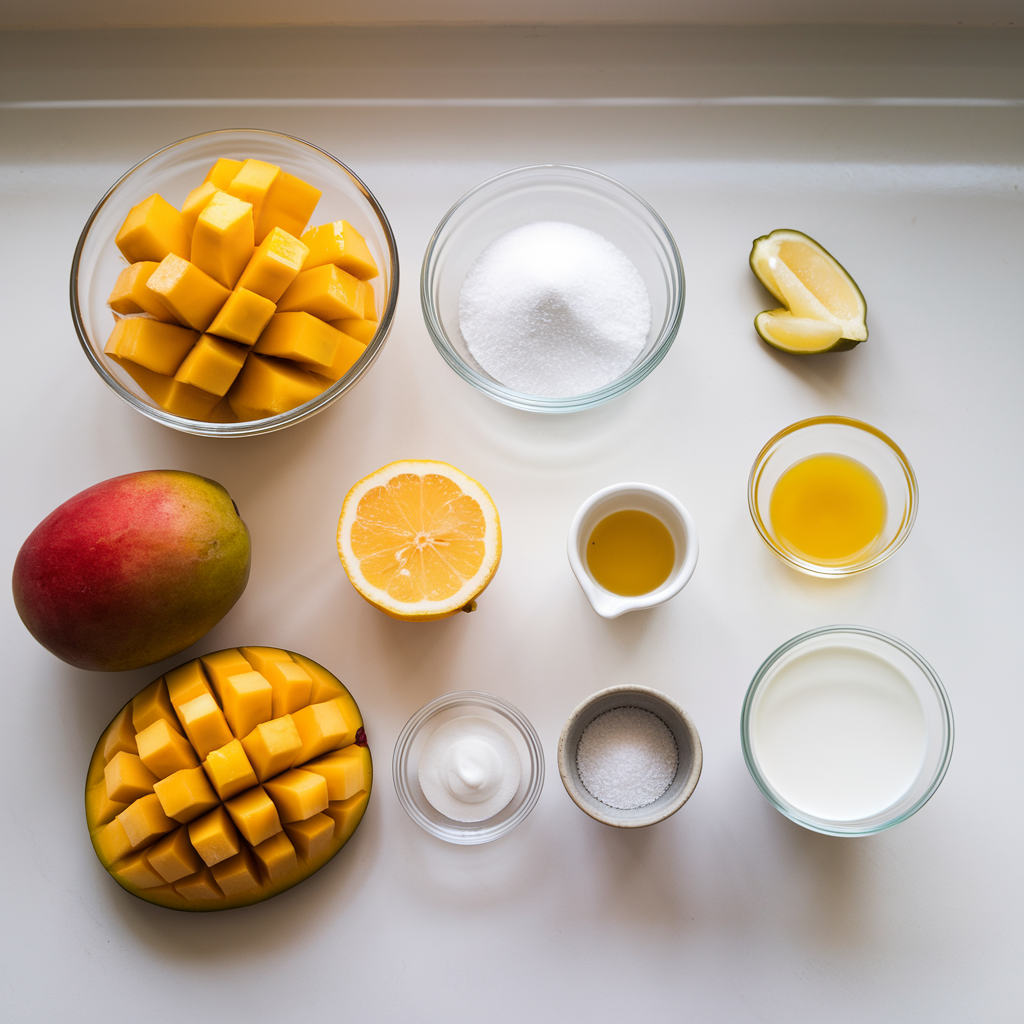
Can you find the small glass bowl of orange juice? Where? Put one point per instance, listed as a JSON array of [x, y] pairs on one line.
[[832, 496]]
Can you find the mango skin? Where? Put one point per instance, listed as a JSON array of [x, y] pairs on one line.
[[132, 570]]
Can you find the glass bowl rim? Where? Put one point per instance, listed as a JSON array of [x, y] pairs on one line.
[[470, 836], [818, 824], [539, 403], [245, 428], [832, 571]]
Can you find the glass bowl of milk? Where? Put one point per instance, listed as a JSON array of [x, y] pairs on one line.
[[847, 731], [468, 767]]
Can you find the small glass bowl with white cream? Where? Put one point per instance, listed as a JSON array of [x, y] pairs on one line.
[[847, 731], [468, 767], [552, 288]]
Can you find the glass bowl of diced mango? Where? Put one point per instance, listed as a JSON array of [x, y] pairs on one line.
[[234, 283]]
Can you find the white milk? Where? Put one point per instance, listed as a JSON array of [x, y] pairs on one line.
[[839, 733]]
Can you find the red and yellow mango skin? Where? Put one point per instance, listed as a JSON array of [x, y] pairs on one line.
[[132, 570]]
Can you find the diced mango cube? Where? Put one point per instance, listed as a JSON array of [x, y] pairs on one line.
[[369, 301], [214, 837], [322, 728], [343, 770], [326, 292], [252, 183], [297, 794], [136, 870], [127, 778], [180, 399], [223, 664], [267, 387], [185, 683], [112, 842], [120, 735], [311, 837], [195, 203], [289, 204], [248, 700], [174, 856], [361, 330], [164, 750], [290, 682], [152, 229], [274, 265], [212, 365], [327, 687], [186, 794], [339, 243], [243, 317], [271, 747], [153, 344], [144, 821], [205, 724], [345, 357], [255, 815], [221, 173], [276, 856], [302, 337], [346, 812], [152, 704], [99, 807], [229, 770], [237, 874], [198, 887], [222, 413], [223, 239], [191, 295], [130, 294]]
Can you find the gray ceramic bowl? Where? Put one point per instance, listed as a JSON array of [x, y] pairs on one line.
[[687, 742]]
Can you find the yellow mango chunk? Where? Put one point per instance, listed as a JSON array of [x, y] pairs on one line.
[[327, 687], [243, 317], [221, 173], [290, 682], [205, 724], [174, 857], [345, 357], [345, 812], [248, 700], [274, 265], [144, 821], [222, 413], [198, 887], [99, 808], [271, 747], [195, 203], [185, 683], [219, 667], [302, 337], [326, 292], [343, 770], [214, 837], [179, 399], [136, 870], [237, 874], [268, 387], [186, 795], [155, 345], [152, 704], [191, 295], [311, 837], [120, 735], [255, 815], [252, 183], [276, 856], [297, 794], [322, 728], [212, 365], [127, 778], [112, 842], [361, 330], [223, 239], [339, 243], [151, 231], [369, 301], [164, 750], [130, 294], [229, 770], [289, 204]]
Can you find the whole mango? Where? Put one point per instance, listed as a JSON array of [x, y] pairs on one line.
[[132, 570]]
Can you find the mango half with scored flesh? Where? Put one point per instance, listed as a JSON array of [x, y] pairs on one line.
[[228, 780]]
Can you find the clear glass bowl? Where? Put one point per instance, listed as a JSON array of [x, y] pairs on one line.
[[837, 435], [550, 192], [938, 718], [420, 728], [173, 172]]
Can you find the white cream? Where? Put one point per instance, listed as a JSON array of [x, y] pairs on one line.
[[469, 769], [839, 733]]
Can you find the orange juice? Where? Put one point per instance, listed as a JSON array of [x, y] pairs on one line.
[[630, 553], [828, 509]]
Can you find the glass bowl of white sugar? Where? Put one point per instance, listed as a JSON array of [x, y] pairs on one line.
[[629, 756], [552, 288]]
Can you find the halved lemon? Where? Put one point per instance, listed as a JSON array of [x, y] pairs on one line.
[[419, 540], [813, 286]]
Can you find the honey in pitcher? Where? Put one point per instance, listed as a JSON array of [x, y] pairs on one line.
[[631, 553], [828, 509]]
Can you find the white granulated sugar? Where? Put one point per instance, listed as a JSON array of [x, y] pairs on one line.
[[554, 310], [627, 758]]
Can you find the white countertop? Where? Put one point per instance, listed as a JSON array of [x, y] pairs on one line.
[[727, 911]]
